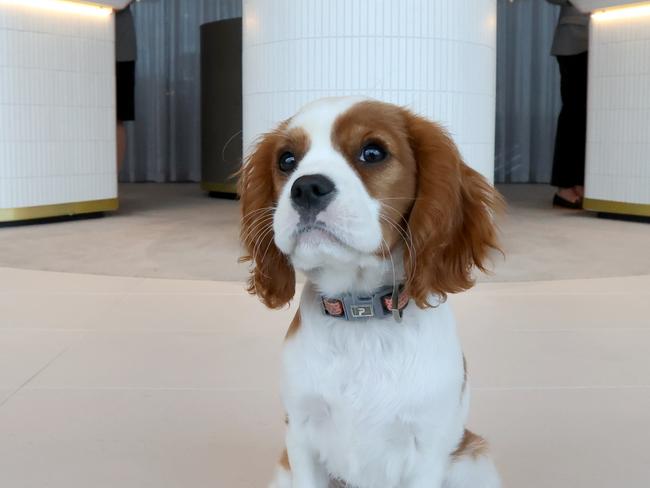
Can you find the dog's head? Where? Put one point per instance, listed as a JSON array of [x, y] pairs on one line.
[[347, 180]]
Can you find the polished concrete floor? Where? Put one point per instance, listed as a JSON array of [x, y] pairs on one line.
[[176, 231], [137, 382]]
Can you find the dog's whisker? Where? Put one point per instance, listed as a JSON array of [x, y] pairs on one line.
[[255, 253], [407, 248], [248, 239], [256, 213], [261, 209], [256, 226], [261, 216], [407, 230], [251, 218], [260, 236], [408, 244], [268, 247], [255, 239]]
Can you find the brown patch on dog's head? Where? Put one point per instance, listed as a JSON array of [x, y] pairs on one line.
[[440, 208], [393, 181]]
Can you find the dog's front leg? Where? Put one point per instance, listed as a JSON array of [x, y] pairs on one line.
[[306, 470]]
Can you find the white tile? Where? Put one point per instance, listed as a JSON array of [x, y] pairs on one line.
[[209, 312], [135, 439], [24, 353], [247, 360], [566, 438], [632, 285], [157, 286], [551, 312], [574, 358], [36, 281], [6, 393], [56, 311]]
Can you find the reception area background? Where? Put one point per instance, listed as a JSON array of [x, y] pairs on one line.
[[168, 86]]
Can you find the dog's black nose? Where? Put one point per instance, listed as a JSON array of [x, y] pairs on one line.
[[312, 192]]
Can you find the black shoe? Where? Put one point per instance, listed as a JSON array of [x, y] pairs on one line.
[[558, 201]]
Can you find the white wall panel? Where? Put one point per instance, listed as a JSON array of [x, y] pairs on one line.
[[618, 134], [57, 107], [438, 58]]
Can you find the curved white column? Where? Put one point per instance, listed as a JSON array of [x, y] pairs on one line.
[[57, 100], [617, 171], [436, 57]]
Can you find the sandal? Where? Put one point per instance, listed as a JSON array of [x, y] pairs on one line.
[[558, 201]]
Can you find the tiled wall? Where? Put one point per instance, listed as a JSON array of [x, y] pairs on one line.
[[57, 108], [437, 57], [618, 133]]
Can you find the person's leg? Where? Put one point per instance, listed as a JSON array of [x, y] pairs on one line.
[[121, 144], [125, 97], [568, 162], [560, 177], [581, 77]]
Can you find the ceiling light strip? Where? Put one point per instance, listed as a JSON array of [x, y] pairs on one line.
[[622, 13], [62, 6]]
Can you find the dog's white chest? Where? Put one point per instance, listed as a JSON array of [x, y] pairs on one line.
[[364, 396], [355, 420]]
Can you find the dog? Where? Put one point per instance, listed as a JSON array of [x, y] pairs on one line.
[[376, 207]]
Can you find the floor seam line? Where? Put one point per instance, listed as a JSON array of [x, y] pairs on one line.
[[40, 370]]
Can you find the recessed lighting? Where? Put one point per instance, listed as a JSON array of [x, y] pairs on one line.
[[61, 6], [622, 13]]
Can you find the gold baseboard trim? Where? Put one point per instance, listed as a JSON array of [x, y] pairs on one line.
[[625, 208], [219, 187], [57, 210]]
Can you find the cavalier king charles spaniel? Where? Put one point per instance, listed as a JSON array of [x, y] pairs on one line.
[[374, 205]]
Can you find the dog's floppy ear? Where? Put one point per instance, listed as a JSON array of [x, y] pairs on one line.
[[452, 220], [272, 278]]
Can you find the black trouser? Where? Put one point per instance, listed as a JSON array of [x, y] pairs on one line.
[[570, 140]]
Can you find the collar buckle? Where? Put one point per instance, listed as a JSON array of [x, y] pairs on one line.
[[395, 305]]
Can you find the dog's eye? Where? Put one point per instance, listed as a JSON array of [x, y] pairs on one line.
[[372, 153], [287, 162]]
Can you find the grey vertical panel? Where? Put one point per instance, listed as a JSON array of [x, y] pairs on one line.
[[221, 94], [528, 91]]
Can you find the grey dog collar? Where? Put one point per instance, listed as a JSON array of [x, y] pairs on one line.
[[379, 304]]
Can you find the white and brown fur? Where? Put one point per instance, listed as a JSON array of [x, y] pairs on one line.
[[372, 404]]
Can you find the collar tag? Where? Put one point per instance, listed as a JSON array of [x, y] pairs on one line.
[[362, 311]]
